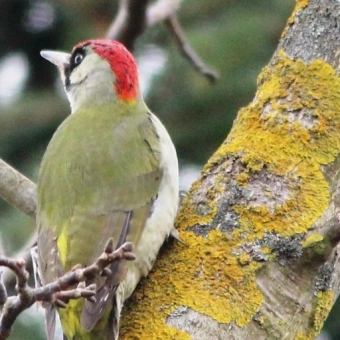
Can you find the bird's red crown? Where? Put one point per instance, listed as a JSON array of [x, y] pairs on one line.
[[122, 64]]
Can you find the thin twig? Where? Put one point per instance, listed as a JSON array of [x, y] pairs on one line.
[[8, 276], [59, 291], [187, 50]]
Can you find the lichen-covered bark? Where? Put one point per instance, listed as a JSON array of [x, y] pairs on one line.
[[261, 225]]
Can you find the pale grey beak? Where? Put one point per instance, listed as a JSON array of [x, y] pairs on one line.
[[60, 59]]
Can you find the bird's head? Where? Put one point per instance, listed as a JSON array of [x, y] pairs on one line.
[[97, 72]]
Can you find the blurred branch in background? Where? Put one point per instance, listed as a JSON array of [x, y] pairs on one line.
[[187, 51], [129, 23], [135, 16]]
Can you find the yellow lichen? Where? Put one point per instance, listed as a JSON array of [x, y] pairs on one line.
[[244, 259], [219, 289], [214, 275], [312, 240], [242, 178], [324, 302], [288, 148], [300, 4], [301, 336]]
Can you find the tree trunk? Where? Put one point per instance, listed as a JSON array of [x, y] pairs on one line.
[[261, 225]]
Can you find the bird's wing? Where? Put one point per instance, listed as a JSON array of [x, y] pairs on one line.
[[93, 311], [101, 193]]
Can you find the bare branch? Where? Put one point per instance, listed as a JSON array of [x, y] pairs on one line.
[[20, 192], [161, 10], [8, 277], [135, 16], [17, 189], [129, 23], [58, 292], [3, 292], [187, 51]]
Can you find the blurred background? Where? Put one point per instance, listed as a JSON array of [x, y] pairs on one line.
[[235, 37]]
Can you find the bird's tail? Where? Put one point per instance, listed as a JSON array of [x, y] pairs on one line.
[[50, 320], [50, 311], [113, 324]]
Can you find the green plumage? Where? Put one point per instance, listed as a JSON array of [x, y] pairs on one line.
[[101, 163]]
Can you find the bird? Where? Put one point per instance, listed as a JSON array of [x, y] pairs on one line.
[[109, 171]]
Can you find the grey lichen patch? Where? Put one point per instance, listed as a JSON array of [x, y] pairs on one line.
[[258, 318], [180, 311], [201, 229], [228, 221], [246, 187], [223, 187], [285, 248], [325, 277], [294, 112], [254, 250], [266, 188], [197, 325], [305, 117]]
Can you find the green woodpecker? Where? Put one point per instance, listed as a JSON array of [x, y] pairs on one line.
[[110, 171]]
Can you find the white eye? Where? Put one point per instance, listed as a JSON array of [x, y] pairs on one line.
[[78, 58]]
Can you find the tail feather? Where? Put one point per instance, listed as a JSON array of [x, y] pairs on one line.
[[50, 320], [35, 263], [113, 324], [93, 311], [50, 311]]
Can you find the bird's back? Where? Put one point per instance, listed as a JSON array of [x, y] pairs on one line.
[[87, 184]]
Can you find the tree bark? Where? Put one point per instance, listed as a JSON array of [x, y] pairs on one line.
[[261, 225]]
